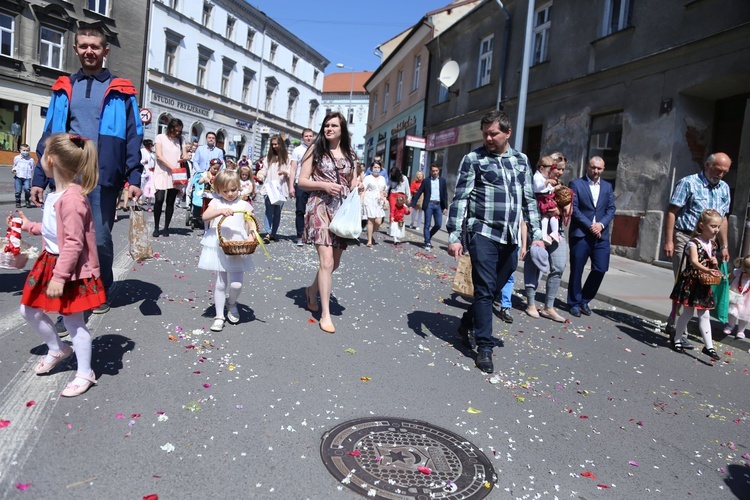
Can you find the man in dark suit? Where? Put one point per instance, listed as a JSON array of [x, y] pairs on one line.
[[434, 204], [593, 211]]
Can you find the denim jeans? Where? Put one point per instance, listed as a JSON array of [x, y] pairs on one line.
[[300, 207], [432, 211], [22, 184], [103, 202], [273, 217], [492, 263], [558, 258]]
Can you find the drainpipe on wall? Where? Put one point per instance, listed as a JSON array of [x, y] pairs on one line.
[[146, 45], [260, 82], [504, 60], [523, 91]]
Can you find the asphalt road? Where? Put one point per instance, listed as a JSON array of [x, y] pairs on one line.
[[245, 409]]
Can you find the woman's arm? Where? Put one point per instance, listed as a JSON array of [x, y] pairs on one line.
[[306, 183]]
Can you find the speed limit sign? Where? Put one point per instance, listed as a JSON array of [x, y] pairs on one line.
[[146, 115]]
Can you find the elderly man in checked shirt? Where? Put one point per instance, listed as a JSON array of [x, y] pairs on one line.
[[493, 191]]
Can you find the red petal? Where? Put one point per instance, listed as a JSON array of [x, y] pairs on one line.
[[424, 470], [583, 417], [588, 474], [23, 486], [354, 453], [31, 403], [153, 496], [312, 321], [602, 486]]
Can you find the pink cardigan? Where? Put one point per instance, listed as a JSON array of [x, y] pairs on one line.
[[76, 238]]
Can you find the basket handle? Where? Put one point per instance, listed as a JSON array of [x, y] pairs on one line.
[[248, 216]]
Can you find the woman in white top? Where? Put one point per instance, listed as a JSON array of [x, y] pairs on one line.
[[276, 167], [372, 200], [399, 184], [168, 154]]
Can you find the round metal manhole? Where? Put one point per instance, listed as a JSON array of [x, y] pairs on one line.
[[395, 458]]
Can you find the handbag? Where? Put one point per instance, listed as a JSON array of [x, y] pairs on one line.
[[462, 282], [179, 177], [563, 197], [140, 244], [347, 222], [275, 192]]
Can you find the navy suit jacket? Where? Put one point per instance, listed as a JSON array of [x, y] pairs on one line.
[[426, 188], [584, 210]]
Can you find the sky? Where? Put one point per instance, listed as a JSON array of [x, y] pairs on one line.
[[347, 31]]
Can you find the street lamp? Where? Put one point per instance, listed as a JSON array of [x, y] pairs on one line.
[[351, 88]]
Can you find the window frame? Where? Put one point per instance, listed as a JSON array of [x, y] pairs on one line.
[[170, 58], [399, 85], [541, 35], [624, 16], [374, 106], [227, 68], [248, 76], [229, 32], [61, 47], [295, 61], [206, 15], [417, 71], [10, 32], [272, 52], [200, 79], [386, 95], [484, 73], [250, 39], [98, 3]]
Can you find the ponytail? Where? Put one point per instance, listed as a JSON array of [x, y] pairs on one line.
[[89, 171]]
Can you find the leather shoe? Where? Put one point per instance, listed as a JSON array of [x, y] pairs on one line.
[[327, 328], [505, 315], [467, 337], [575, 311], [484, 361], [585, 309]]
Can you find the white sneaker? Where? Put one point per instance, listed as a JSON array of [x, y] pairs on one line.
[[299, 243], [218, 325], [233, 315]]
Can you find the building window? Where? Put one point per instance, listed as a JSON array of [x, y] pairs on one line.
[[314, 105], [485, 60], [98, 6], [295, 60], [230, 27], [350, 116], [271, 85], [247, 85], [617, 15], [442, 93], [292, 104], [7, 28], [226, 73], [250, 38], [206, 19], [203, 59], [399, 86], [315, 77], [170, 57], [541, 34], [274, 47], [174, 4], [417, 69], [605, 141], [386, 93], [374, 106], [50, 48]]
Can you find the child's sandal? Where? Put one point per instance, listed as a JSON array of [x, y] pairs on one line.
[[711, 353], [676, 345]]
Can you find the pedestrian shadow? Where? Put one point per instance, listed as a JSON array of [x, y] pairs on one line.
[[453, 301], [12, 282], [635, 327], [247, 313], [738, 480], [444, 327], [108, 352], [131, 291], [300, 300]]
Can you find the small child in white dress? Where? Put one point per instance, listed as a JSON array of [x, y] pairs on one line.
[[739, 301], [229, 268]]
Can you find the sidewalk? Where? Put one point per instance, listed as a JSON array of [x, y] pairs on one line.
[[633, 286]]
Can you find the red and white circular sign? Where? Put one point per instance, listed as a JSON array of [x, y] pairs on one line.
[[146, 115]]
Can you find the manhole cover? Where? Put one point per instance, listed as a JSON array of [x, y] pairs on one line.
[[394, 458]]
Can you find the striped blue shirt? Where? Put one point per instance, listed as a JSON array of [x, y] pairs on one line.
[[492, 192], [694, 194]]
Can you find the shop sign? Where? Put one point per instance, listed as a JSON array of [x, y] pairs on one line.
[[413, 141], [470, 132], [178, 104], [380, 147], [400, 152], [404, 125], [244, 125], [443, 138]]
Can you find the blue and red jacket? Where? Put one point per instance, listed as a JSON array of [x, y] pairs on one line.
[[120, 132]]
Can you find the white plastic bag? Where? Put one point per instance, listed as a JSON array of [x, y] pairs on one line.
[[347, 223], [275, 192]]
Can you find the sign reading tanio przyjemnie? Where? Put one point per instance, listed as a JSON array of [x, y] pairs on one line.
[[181, 105]]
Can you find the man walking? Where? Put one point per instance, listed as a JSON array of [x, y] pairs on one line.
[[97, 105], [300, 195], [434, 204], [494, 194], [593, 211], [207, 152], [692, 195]]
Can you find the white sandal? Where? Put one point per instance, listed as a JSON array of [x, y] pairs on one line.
[[233, 314], [218, 325]]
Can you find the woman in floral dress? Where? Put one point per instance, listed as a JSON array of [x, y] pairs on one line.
[[328, 175]]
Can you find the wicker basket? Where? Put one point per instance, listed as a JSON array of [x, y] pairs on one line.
[[707, 278], [563, 197], [243, 247]]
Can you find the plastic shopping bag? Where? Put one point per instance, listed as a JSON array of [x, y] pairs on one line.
[[179, 177], [721, 295], [275, 192], [347, 223]]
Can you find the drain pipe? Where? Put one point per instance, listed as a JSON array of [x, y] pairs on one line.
[[504, 60], [523, 91]]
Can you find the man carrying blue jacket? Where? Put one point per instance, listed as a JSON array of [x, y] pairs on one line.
[[96, 105]]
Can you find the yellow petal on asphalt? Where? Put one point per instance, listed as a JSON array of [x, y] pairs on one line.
[[473, 410]]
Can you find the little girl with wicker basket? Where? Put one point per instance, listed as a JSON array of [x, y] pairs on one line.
[[698, 271], [227, 244]]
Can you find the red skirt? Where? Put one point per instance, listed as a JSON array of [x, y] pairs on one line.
[[78, 296]]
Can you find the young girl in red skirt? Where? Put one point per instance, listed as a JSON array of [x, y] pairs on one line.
[[66, 276]]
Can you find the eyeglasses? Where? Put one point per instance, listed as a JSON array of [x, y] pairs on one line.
[[560, 159]]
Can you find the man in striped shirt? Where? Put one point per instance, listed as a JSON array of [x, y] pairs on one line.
[[494, 194]]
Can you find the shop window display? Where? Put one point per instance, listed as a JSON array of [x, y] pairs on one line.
[[12, 125]]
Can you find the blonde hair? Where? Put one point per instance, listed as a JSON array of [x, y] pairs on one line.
[[419, 172], [744, 263], [224, 179], [705, 216], [548, 159], [248, 170], [77, 159]]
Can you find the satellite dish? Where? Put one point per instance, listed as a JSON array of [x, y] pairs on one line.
[[449, 74]]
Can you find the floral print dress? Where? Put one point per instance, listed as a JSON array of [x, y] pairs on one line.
[[688, 290], [321, 207]]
